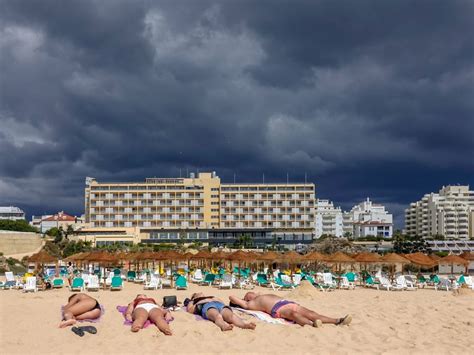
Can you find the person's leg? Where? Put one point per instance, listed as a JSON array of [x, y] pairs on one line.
[[305, 312], [139, 317], [231, 318], [75, 310], [75, 299], [213, 315], [290, 313], [95, 313], [157, 316]]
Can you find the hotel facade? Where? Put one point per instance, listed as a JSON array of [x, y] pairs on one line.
[[448, 213], [199, 208]]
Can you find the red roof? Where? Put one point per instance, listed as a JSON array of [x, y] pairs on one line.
[[61, 217]]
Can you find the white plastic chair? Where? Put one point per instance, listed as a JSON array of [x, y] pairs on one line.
[[226, 281], [30, 284], [154, 283], [345, 284], [93, 283], [296, 279], [197, 277], [328, 280]]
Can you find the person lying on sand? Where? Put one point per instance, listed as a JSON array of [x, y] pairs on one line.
[[80, 306], [278, 307], [214, 309], [143, 308]]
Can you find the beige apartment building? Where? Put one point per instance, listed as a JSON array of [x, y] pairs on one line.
[[449, 213], [171, 208]]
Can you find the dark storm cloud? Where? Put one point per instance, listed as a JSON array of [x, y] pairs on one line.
[[367, 98]]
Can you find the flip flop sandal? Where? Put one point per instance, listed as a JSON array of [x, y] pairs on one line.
[[345, 321], [89, 329], [77, 331]]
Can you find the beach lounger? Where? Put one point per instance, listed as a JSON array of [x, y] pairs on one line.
[[117, 283], [410, 284], [385, 283], [93, 284], [279, 285], [208, 280], [10, 281], [328, 282], [30, 285], [154, 283], [181, 283], [77, 284], [466, 280], [443, 284], [58, 283], [262, 280], [345, 284], [164, 282], [226, 281], [421, 281], [131, 275], [197, 277]]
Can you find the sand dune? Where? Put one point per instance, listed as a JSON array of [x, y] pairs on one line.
[[423, 321]]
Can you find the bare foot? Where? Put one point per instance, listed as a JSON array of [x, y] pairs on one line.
[[249, 325], [66, 323], [167, 331], [135, 328], [224, 325]]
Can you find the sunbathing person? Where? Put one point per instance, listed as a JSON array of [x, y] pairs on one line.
[[80, 306], [278, 307], [214, 309], [143, 308]]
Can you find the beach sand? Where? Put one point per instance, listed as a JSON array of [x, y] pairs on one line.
[[423, 321]]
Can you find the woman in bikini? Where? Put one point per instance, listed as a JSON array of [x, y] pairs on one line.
[[214, 309], [80, 306], [143, 308]]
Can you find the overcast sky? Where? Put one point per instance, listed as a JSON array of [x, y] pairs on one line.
[[368, 98]]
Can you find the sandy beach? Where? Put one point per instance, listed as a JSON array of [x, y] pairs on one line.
[[423, 321]]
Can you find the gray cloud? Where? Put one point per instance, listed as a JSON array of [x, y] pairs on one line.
[[367, 98]]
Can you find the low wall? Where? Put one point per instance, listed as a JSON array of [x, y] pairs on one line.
[[12, 243]]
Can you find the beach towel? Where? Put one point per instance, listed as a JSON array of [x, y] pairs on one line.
[[102, 311], [123, 310], [265, 317]]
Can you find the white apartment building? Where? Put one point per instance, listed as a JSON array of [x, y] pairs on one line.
[[448, 213], [11, 212], [328, 219], [368, 219]]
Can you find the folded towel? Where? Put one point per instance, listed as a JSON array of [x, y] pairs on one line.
[[123, 310], [102, 311]]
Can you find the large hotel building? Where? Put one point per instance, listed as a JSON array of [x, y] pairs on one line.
[[448, 213], [199, 208]]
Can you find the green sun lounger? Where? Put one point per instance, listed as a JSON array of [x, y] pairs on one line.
[[131, 276], [181, 283], [262, 280], [77, 284], [116, 284], [208, 280], [58, 283]]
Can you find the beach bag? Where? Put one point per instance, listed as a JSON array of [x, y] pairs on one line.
[[170, 301]]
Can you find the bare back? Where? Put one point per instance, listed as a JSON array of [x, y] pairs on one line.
[[263, 303]]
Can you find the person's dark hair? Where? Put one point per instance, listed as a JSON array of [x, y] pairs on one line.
[[186, 302]]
